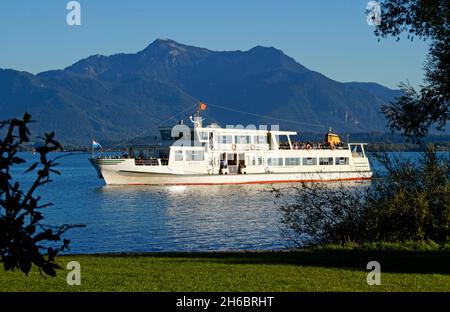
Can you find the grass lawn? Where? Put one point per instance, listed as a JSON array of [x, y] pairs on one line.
[[318, 270]]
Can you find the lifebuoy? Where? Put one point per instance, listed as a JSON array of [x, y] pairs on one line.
[[233, 147]]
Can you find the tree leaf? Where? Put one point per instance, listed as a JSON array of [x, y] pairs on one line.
[[32, 167]]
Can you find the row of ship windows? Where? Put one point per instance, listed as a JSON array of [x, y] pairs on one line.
[[297, 161], [242, 139], [189, 156], [271, 161]]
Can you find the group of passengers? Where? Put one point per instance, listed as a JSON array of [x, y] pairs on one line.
[[123, 155], [310, 145], [111, 156]]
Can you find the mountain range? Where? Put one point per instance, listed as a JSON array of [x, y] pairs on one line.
[[122, 96]]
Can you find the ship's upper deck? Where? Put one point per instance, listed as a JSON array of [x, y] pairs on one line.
[[244, 131]]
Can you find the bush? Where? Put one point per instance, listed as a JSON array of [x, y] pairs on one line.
[[405, 202]]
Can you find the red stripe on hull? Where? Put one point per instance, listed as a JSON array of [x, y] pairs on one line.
[[258, 182]]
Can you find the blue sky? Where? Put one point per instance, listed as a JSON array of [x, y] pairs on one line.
[[331, 37]]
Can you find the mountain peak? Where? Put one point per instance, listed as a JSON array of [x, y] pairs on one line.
[[164, 46], [262, 48], [164, 43]]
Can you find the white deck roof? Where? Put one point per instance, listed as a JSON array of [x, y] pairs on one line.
[[245, 131]]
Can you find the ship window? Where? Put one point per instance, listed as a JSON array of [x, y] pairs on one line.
[[242, 139], [204, 135], [195, 155], [278, 161], [178, 155], [309, 161], [226, 139], [261, 139], [325, 161], [292, 161], [341, 160], [254, 160]]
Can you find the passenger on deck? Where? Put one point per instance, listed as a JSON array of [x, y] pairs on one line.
[[131, 152], [222, 166]]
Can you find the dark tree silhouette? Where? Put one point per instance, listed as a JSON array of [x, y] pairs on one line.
[[24, 238], [417, 111]]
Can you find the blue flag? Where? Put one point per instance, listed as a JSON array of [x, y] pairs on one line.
[[95, 144]]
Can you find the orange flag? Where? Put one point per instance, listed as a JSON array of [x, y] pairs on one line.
[[202, 106]]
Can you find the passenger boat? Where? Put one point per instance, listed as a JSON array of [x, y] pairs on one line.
[[210, 155]]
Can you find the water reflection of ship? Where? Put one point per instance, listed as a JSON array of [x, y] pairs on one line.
[[220, 190]]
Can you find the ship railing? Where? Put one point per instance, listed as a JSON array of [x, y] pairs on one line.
[[243, 147], [148, 162], [112, 157], [311, 146]]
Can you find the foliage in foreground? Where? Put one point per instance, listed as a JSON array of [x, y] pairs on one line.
[[24, 238], [406, 202]]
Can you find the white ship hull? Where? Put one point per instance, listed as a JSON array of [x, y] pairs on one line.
[[122, 174]]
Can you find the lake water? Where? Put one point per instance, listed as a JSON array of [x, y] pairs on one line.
[[154, 218], [157, 218]]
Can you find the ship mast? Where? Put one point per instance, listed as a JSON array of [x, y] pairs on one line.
[[197, 118]]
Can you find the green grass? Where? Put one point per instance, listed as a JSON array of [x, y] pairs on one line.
[[312, 270]]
